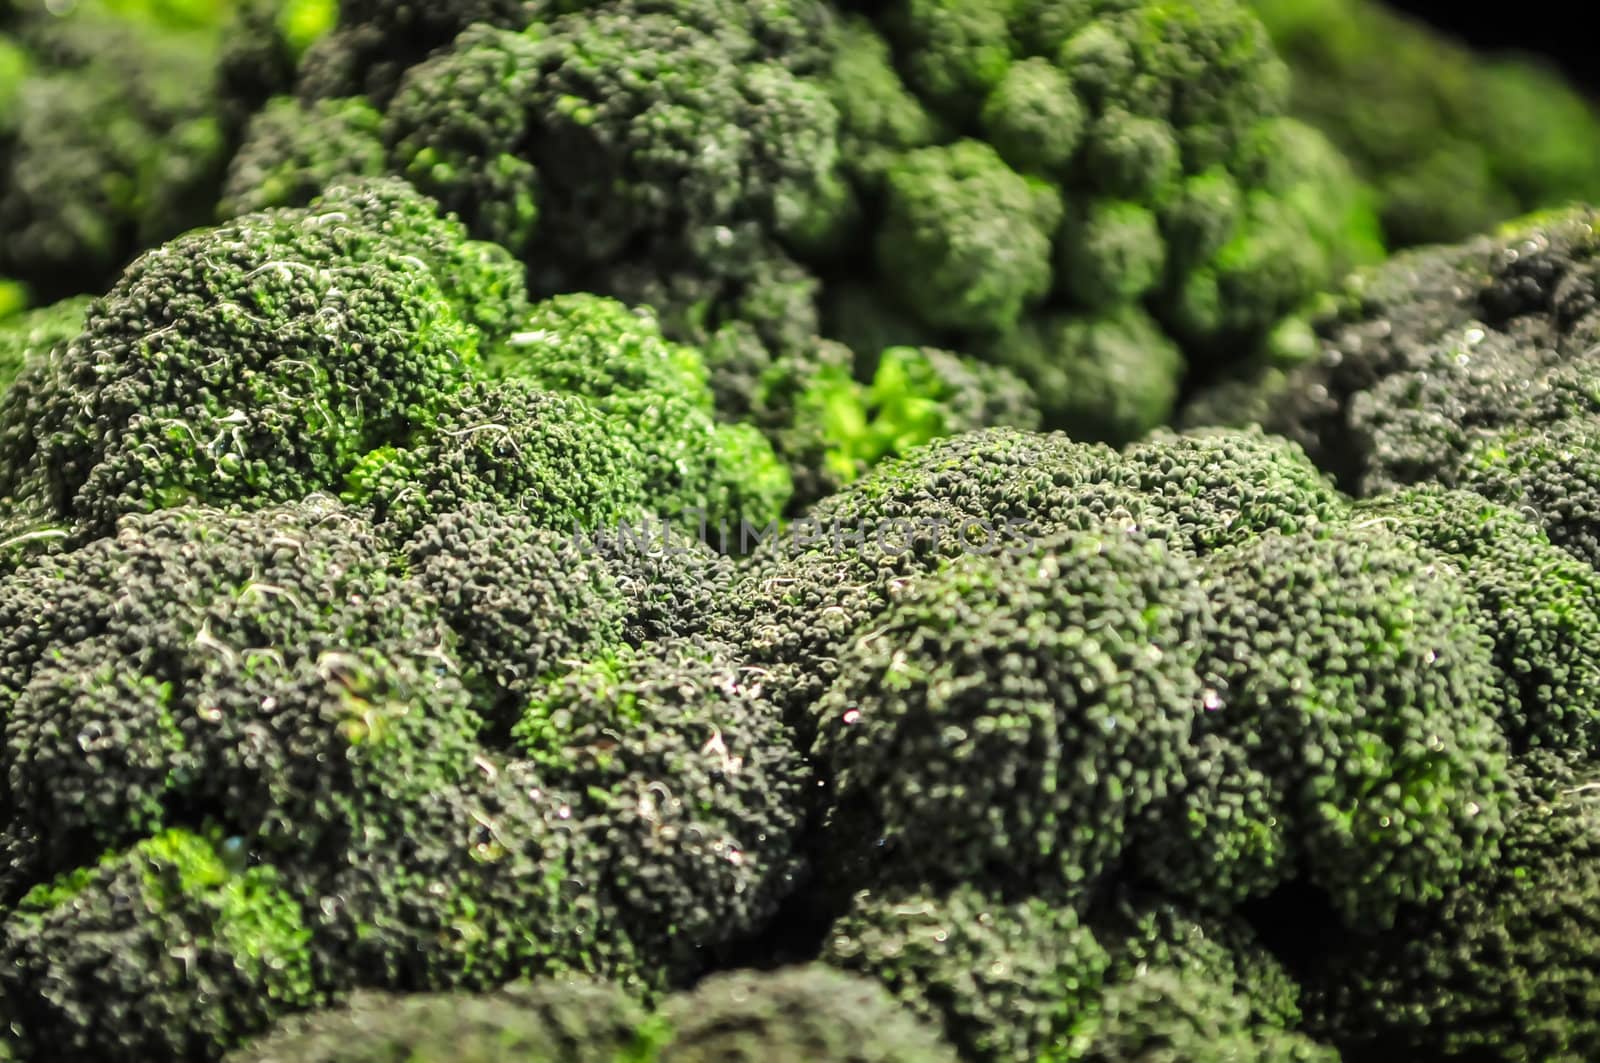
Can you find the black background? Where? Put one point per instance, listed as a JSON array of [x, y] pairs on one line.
[[1551, 28]]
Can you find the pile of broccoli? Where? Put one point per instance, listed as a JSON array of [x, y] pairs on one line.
[[642, 530]]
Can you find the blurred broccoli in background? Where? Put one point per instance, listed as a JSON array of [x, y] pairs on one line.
[[1451, 141]]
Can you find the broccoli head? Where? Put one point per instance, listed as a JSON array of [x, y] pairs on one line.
[[257, 361], [795, 1013]]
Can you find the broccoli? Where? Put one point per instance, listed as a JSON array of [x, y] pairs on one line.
[[289, 345], [1112, 196], [1470, 366], [551, 1021], [1004, 980], [1006, 719], [168, 949], [32, 334], [1499, 969], [1376, 771], [1453, 142], [793, 1014], [114, 137], [685, 778], [1536, 601]]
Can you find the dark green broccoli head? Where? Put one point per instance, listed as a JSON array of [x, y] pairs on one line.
[[1003, 980], [1426, 355], [1007, 717], [268, 672], [1540, 605], [537, 1022], [1348, 670], [795, 1014], [257, 361], [1500, 968], [808, 591], [169, 949], [685, 779]]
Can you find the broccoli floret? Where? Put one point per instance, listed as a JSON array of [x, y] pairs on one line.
[[1537, 602], [808, 591], [168, 949], [1003, 980], [257, 361], [1348, 671], [536, 1022], [549, 457], [979, 732], [809, 1012], [258, 670], [1499, 969], [879, 117], [1142, 932], [1431, 356], [34, 333], [685, 779], [657, 392], [293, 150], [965, 239]]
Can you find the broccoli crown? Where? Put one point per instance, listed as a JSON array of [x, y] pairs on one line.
[[1383, 771], [685, 779], [33, 334], [1467, 366], [168, 949], [256, 361], [1005, 719], [112, 141], [796, 1013], [696, 468], [1453, 142], [260, 671], [1500, 968], [570, 1021], [1003, 980], [1536, 601], [810, 589]]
